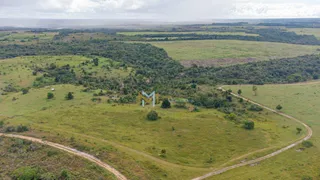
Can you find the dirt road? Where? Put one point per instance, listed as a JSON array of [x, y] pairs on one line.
[[71, 151], [308, 136]]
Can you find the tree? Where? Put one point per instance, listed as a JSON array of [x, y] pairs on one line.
[[249, 125], [255, 89], [166, 104], [25, 91], [152, 116], [69, 96], [96, 61], [239, 92], [279, 107], [307, 144], [50, 95], [299, 130]]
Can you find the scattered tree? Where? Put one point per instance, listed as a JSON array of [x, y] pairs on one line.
[[299, 130], [50, 95], [96, 61], [279, 107], [25, 91], [152, 116], [307, 144], [239, 92], [166, 104], [255, 89], [69, 96], [249, 125]]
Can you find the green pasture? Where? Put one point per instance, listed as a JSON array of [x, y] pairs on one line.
[[301, 101], [306, 31], [232, 49]]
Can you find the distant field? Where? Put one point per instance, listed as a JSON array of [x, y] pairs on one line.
[[306, 31], [226, 52], [195, 32], [21, 36], [301, 101]]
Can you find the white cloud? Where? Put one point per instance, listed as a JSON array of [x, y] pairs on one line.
[[161, 9]]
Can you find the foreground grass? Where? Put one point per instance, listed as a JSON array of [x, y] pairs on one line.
[[16, 153], [193, 141], [301, 101], [232, 49]]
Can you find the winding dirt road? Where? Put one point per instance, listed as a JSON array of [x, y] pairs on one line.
[[308, 136], [71, 151]]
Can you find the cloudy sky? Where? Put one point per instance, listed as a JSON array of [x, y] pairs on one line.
[[159, 9]]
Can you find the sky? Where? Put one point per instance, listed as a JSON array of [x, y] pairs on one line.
[[166, 10]]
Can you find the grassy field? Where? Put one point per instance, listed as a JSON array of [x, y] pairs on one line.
[[301, 101], [120, 135], [238, 51], [195, 32], [21, 36], [200, 140], [18, 154], [306, 31], [18, 71]]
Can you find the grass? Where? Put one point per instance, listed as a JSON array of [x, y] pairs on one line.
[[195, 32], [202, 140], [232, 49], [22, 36], [301, 101], [120, 134], [307, 31], [17, 154]]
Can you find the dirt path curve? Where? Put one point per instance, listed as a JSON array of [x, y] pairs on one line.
[[308, 136], [71, 151]]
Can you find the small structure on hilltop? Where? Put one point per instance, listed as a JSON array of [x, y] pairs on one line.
[[145, 98]]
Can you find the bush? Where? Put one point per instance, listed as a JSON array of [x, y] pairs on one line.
[[166, 104], [1, 124], [50, 95], [21, 128], [25, 91], [48, 176], [51, 153], [10, 129], [26, 173], [255, 108], [64, 175], [307, 144], [249, 125], [279, 107], [306, 178], [152, 116], [69, 96]]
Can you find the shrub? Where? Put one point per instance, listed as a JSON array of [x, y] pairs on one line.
[[50, 95], [10, 129], [152, 116], [64, 175], [51, 153], [166, 104], [69, 96], [231, 116], [254, 107], [25, 91], [21, 128], [306, 178], [26, 173], [1, 124], [279, 107], [249, 125], [307, 144], [48, 176]]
